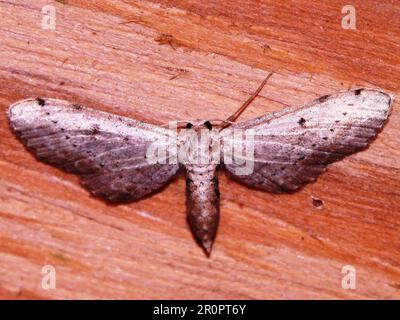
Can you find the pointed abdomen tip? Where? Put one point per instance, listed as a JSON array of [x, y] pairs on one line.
[[207, 246]]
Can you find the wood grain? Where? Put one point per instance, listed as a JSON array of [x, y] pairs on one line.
[[119, 56]]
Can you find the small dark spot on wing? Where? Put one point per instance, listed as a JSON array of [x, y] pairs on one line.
[[302, 121], [323, 98], [40, 101], [358, 91], [95, 129], [77, 106], [188, 181], [208, 125]]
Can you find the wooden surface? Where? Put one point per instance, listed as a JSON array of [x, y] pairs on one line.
[[268, 246]]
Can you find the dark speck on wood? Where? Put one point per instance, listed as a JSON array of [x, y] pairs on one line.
[[317, 203]]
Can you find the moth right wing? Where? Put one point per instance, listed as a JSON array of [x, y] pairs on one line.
[[108, 152], [292, 147]]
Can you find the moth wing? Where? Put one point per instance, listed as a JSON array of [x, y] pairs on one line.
[[292, 147], [108, 152]]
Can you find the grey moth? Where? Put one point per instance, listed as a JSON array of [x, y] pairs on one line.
[[288, 149]]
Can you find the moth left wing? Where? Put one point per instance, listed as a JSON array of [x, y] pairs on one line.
[[292, 147], [108, 152]]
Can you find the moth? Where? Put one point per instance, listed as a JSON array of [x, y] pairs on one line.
[[290, 148]]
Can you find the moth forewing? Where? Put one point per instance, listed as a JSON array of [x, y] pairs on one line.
[[164, 150], [107, 151], [238, 149], [293, 146]]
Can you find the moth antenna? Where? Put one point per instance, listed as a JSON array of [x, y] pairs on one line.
[[221, 120], [239, 111], [163, 125]]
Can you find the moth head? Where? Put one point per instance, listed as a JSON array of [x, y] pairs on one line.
[[199, 125], [208, 125]]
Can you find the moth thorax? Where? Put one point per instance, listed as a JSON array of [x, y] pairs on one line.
[[201, 169], [199, 147]]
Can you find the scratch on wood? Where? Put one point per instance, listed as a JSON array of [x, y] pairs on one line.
[[167, 39], [181, 72]]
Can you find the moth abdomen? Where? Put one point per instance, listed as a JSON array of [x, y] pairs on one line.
[[202, 201]]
